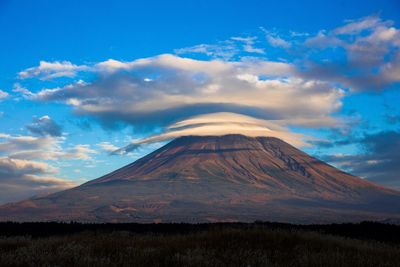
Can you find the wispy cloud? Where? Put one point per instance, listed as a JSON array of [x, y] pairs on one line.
[[25, 93], [224, 50], [249, 44], [107, 146], [275, 40], [3, 95], [50, 70]]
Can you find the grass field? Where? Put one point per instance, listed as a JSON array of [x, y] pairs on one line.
[[211, 245]]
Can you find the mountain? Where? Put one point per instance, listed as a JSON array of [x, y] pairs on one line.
[[217, 178]]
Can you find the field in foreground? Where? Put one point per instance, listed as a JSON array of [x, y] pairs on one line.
[[365, 244]]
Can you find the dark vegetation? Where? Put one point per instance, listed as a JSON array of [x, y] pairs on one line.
[[222, 244]]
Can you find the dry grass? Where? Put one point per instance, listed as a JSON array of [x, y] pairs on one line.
[[215, 247]]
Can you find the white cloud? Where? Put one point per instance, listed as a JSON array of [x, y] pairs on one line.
[[323, 40], [111, 65], [276, 41], [3, 95], [27, 164], [248, 44], [22, 90], [78, 152], [107, 146], [42, 148], [14, 145], [298, 34], [357, 26], [18, 167], [369, 47], [224, 50], [50, 70], [182, 87]]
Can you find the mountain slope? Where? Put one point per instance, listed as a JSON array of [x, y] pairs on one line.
[[218, 178]]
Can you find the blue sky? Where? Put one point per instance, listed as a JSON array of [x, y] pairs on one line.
[[89, 86]]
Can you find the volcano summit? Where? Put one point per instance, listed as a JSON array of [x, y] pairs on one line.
[[217, 178]]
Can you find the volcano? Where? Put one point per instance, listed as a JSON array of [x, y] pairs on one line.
[[213, 179]]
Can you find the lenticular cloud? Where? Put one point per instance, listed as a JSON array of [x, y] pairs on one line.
[[221, 124]]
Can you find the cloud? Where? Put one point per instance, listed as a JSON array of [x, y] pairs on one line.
[[323, 40], [42, 148], [78, 152], [379, 160], [22, 90], [24, 178], [107, 146], [183, 87], [361, 55], [3, 95], [50, 70], [17, 168], [365, 54], [276, 41], [44, 126], [357, 26], [26, 164], [298, 34], [221, 124], [14, 145], [224, 50], [248, 44]]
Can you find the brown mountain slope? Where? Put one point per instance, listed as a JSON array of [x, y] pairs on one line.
[[211, 178]]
